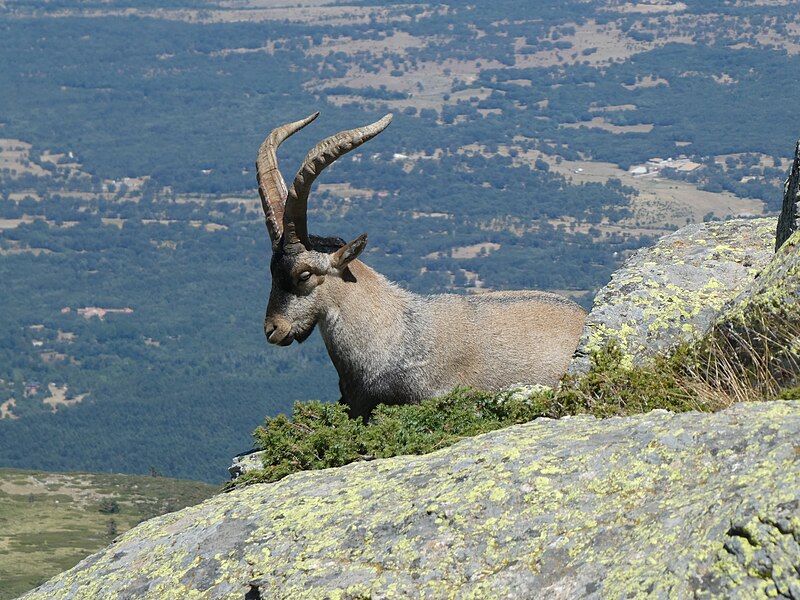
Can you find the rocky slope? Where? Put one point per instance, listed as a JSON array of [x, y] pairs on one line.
[[657, 505], [673, 291]]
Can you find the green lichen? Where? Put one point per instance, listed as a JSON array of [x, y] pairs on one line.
[[639, 507], [671, 293]]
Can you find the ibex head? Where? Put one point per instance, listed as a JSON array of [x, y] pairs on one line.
[[301, 263]]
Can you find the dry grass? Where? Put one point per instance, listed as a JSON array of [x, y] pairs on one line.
[[651, 8], [58, 397], [15, 155], [752, 357], [606, 125], [6, 409], [647, 81]]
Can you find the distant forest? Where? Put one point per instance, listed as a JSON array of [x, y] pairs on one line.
[[179, 96]]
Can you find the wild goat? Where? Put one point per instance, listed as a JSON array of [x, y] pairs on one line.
[[389, 345]]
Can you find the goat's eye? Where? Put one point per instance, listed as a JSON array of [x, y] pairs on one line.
[[305, 275]]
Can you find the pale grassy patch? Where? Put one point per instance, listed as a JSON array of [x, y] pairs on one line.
[[649, 8], [612, 107], [58, 397], [12, 223], [15, 155], [5, 410], [647, 81], [475, 250], [604, 124], [118, 223]]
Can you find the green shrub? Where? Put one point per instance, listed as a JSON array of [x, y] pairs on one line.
[[321, 435], [612, 389]]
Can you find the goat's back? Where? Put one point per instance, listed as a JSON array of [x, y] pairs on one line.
[[497, 339]]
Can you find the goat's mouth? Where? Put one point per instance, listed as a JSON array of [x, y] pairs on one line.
[[302, 336], [278, 335], [283, 337], [277, 338]]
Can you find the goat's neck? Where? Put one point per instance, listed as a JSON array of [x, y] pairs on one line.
[[366, 323]]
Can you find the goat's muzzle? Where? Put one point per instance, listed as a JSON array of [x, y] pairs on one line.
[[278, 331]]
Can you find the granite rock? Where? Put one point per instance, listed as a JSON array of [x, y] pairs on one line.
[[657, 505], [245, 462], [672, 292]]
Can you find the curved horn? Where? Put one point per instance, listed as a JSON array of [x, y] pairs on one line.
[[323, 154], [271, 186]]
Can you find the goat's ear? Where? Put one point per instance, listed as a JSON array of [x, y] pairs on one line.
[[349, 252]]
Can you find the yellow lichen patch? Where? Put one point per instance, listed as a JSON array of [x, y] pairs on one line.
[[671, 293]]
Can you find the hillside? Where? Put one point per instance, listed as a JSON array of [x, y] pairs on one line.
[[131, 247], [50, 521]]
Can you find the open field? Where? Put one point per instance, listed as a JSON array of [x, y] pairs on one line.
[[660, 204], [50, 521], [604, 124], [15, 158]]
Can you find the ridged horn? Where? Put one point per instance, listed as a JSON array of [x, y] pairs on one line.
[[271, 186], [295, 223]]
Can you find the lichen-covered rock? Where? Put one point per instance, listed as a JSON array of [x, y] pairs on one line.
[[757, 335], [652, 506], [245, 462], [672, 292], [789, 219]]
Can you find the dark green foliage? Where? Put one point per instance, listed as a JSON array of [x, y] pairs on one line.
[[792, 393], [111, 529], [109, 506], [321, 435]]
